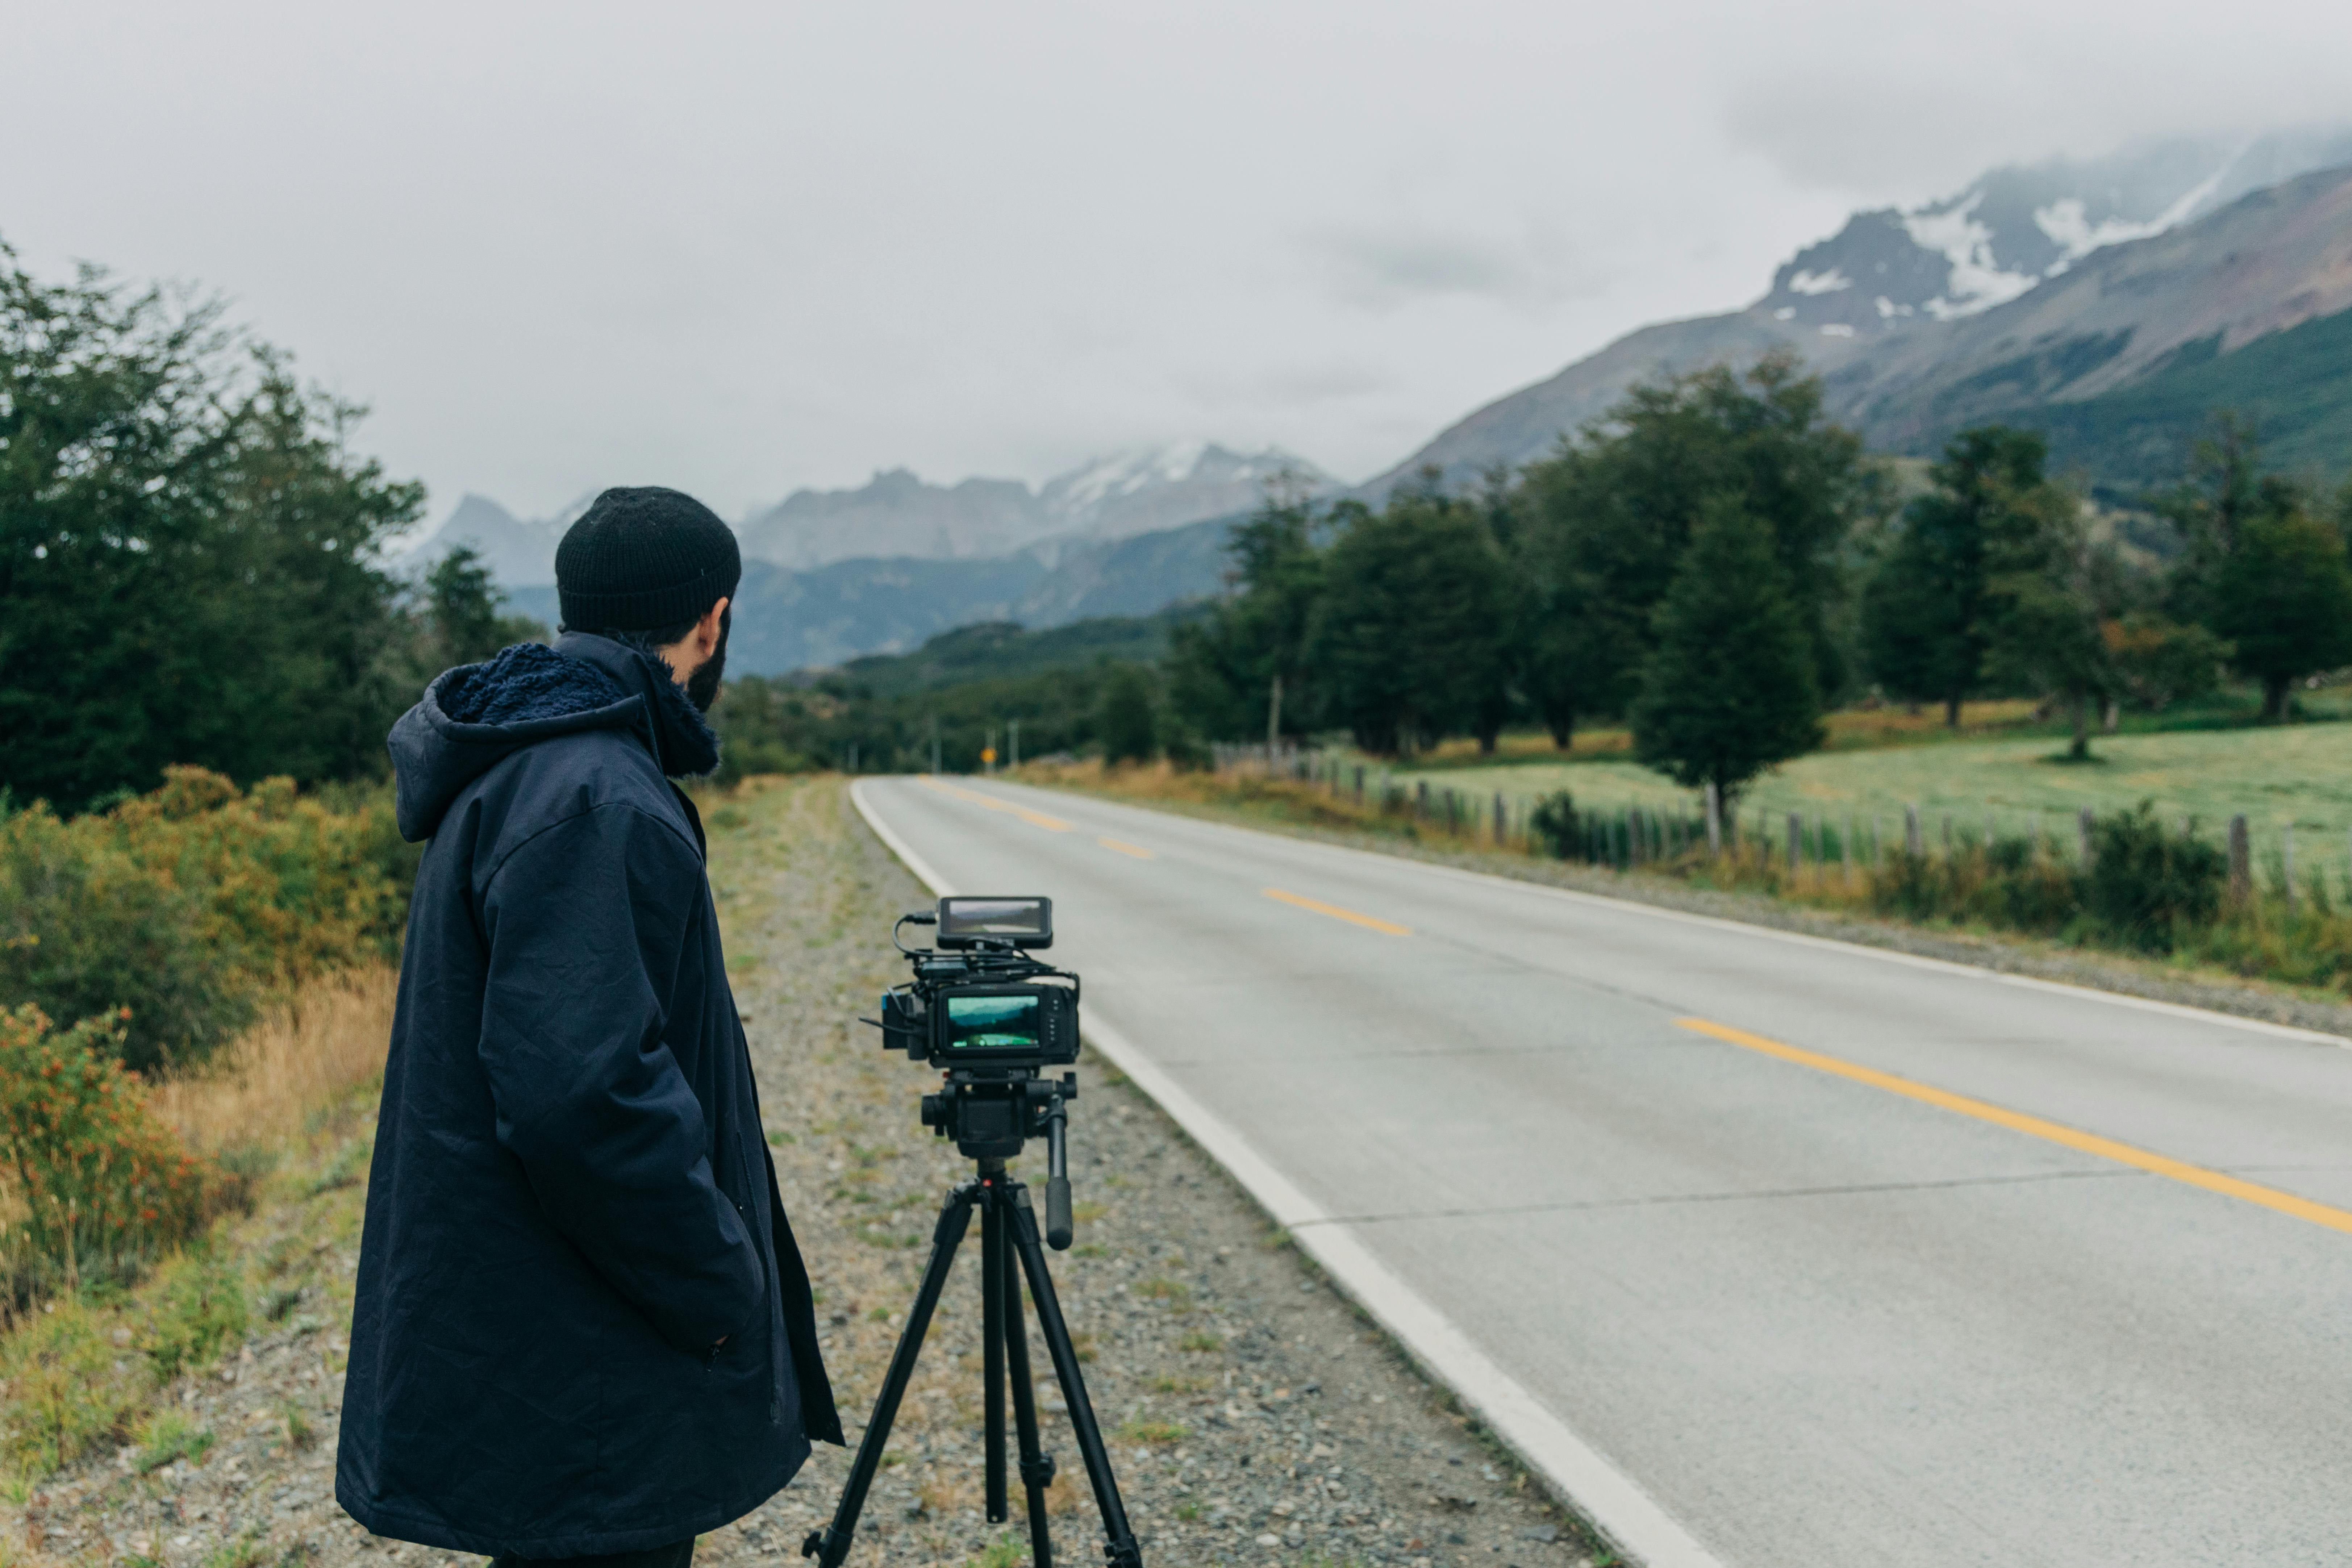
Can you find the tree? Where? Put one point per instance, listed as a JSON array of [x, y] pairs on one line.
[[1244, 673], [1928, 610], [188, 549], [1127, 719], [2284, 598], [1607, 520], [1280, 567], [2052, 603], [1409, 640], [1731, 688], [461, 604]]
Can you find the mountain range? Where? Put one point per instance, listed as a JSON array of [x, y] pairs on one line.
[[2113, 302], [2032, 295]]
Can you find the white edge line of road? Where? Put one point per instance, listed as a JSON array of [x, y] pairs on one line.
[[1625, 1514], [1774, 933]]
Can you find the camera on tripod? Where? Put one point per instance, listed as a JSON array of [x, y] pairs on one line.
[[993, 1017]]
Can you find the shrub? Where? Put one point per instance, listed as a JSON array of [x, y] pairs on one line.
[[199, 1307], [2147, 885], [69, 1387], [1554, 824], [189, 904], [99, 1178]]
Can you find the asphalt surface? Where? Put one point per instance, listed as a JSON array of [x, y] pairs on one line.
[[1839, 1257]]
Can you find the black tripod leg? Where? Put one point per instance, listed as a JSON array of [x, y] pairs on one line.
[[1118, 1548], [991, 1354], [1037, 1469], [831, 1544]]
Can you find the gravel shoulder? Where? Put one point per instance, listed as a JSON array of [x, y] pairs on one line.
[[1254, 1414]]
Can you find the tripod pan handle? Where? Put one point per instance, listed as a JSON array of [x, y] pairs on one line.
[[1057, 1213]]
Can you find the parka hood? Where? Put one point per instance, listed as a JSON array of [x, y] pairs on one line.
[[475, 716]]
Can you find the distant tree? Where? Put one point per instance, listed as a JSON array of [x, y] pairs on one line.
[[2159, 661], [1243, 672], [1731, 688], [2223, 491], [188, 553], [1410, 640], [1607, 520], [2053, 602], [2284, 598], [1127, 719], [1279, 564], [462, 604], [1928, 610]]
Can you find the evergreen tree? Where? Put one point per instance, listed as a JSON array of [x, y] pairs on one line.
[[1606, 523], [1127, 719], [1729, 689], [1410, 640], [187, 554], [1928, 610], [462, 604], [1241, 675], [2284, 598]]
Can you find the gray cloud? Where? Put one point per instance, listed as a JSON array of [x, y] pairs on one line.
[[744, 247]]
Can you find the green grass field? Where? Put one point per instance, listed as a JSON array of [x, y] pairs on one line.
[[2301, 774]]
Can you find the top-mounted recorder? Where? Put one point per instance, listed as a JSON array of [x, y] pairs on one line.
[[977, 997]]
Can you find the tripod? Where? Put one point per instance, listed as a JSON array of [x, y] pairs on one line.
[[1008, 1227]]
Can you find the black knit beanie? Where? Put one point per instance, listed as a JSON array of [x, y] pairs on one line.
[[641, 557]]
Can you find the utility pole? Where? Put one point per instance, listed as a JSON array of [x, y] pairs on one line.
[[1013, 741], [935, 742], [1273, 718]]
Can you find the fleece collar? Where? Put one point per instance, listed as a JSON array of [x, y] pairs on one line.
[[682, 739]]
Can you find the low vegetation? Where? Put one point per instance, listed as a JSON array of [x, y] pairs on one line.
[[2152, 884], [181, 913]]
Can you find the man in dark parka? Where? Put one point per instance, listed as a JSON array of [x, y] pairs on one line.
[[582, 1327]]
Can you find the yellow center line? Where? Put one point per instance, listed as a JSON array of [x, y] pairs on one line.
[[1034, 818], [1137, 850], [1336, 912], [2036, 1127]]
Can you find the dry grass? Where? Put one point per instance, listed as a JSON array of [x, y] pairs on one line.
[[304, 1056]]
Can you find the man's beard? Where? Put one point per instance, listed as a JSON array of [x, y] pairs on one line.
[[702, 686]]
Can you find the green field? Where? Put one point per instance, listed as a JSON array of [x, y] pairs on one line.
[[2301, 774]]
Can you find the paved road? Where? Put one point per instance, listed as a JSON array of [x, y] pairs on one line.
[[1843, 1259]]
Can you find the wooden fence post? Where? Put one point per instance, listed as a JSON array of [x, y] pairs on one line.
[[1714, 821], [2286, 864], [1913, 844], [1796, 841], [1501, 820], [2083, 820]]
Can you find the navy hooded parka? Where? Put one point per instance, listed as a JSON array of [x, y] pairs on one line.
[[572, 1203]]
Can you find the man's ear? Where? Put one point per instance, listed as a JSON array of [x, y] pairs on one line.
[[705, 630]]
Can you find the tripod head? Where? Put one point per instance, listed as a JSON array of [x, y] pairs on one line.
[[991, 1112], [993, 1019]]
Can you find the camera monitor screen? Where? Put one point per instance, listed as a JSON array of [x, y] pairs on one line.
[[1023, 922], [1006, 1022]]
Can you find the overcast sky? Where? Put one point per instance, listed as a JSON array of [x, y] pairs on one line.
[[746, 247]]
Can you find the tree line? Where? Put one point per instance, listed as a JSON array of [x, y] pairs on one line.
[[191, 564], [1716, 564]]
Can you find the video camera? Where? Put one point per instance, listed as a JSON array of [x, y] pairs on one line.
[[978, 997], [992, 1017]]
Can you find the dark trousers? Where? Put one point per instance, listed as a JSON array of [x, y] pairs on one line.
[[677, 1555]]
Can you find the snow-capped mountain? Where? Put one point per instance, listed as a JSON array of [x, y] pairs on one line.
[[896, 514], [2016, 227], [1898, 296]]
